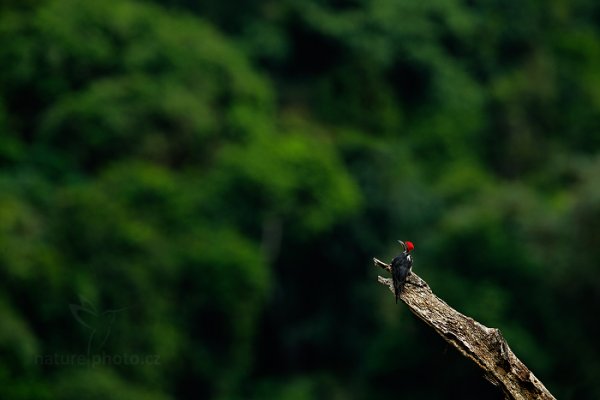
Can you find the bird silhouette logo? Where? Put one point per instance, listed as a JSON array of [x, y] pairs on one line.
[[99, 323]]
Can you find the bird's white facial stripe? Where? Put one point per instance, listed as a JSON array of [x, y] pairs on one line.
[[409, 258]]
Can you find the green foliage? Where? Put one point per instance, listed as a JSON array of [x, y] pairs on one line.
[[204, 184], [100, 384], [141, 84], [291, 175]]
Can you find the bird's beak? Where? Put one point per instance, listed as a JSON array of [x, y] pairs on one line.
[[402, 244]]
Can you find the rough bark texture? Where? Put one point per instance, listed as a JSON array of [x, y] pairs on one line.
[[485, 346]]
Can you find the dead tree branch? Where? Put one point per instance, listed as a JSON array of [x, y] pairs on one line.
[[485, 346]]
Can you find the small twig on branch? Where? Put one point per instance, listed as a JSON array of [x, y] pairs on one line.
[[485, 346]]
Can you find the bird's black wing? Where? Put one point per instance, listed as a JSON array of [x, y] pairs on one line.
[[401, 266]]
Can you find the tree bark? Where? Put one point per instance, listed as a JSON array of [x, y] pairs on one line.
[[485, 346]]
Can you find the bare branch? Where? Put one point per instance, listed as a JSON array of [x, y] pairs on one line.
[[485, 346]]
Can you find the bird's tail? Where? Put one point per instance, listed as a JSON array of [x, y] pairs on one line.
[[398, 290]]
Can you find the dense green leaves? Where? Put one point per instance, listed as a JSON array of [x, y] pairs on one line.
[[201, 186], [121, 81]]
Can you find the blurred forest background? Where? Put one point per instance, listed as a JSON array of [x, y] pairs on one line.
[[207, 181]]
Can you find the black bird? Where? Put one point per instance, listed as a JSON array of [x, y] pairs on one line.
[[401, 267]]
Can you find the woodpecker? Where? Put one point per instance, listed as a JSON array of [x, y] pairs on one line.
[[401, 267]]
